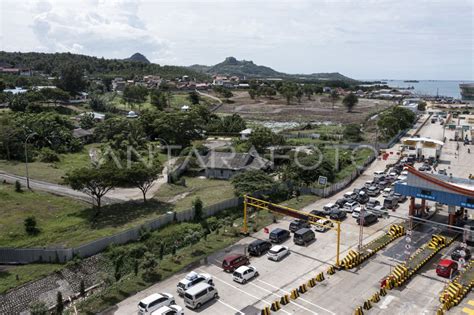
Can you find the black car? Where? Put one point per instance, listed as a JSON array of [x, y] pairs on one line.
[[319, 213], [362, 198], [401, 198], [382, 184], [295, 225], [368, 219], [279, 235], [342, 201], [259, 247], [337, 215], [424, 168], [456, 254], [442, 172]]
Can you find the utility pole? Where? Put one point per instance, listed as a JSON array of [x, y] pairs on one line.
[[361, 228], [26, 159]]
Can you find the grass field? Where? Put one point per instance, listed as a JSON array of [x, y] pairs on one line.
[[14, 276], [210, 191]]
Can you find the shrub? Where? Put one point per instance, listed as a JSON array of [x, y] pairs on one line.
[[38, 308], [197, 205], [18, 187], [48, 156], [30, 226]]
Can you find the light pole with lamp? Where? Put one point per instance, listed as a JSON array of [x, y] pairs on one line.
[[26, 158]]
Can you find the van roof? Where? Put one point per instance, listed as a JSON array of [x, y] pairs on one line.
[[232, 256], [302, 231], [151, 298], [445, 262], [198, 288]]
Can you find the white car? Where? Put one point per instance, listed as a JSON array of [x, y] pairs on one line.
[[323, 225], [404, 173], [329, 208], [244, 274], [350, 206], [356, 212], [386, 192], [192, 279], [350, 195], [169, 310], [378, 174], [154, 302], [277, 252]]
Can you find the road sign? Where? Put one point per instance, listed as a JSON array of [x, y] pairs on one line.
[[322, 180], [408, 239], [407, 246]]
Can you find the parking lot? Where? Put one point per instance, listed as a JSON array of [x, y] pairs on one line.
[[340, 293]]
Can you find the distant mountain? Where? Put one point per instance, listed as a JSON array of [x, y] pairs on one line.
[[138, 58], [232, 66]]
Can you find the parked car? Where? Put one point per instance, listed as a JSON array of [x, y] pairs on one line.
[[379, 211], [277, 252], [259, 247], [382, 184], [378, 174], [424, 168], [153, 302], [456, 254], [297, 224], [200, 294], [390, 202], [373, 191], [369, 184], [337, 215], [342, 201], [442, 172], [191, 279], [368, 219], [356, 212], [401, 198], [304, 236], [349, 206], [169, 310], [323, 225], [362, 197], [319, 213], [279, 235], [401, 178], [329, 207], [446, 268], [372, 203], [387, 191], [244, 274], [234, 261], [350, 195]]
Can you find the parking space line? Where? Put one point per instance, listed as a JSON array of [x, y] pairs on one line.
[[230, 306], [300, 298], [255, 297], [300, 306]]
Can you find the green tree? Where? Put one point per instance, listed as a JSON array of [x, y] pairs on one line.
[[59, 303], [350, 100], [134, 94], [352, 132], [158, 99], [18, 103], [97, 104], [262, 137], [299, 94], [87, 121], [31, 226], [288, 91], [140, 176], [56, 95], [71, 79], [308, 90], [250, 181], [97, 182], [198, 209], [307, 169], [194, 97], [252, 93], [18, 186], [38, 308]]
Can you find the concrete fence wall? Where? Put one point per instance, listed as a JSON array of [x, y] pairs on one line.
[[61, 255]]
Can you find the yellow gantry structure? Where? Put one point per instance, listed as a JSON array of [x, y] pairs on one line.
[[272, 207]]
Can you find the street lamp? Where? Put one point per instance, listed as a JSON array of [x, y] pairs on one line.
[[26, 158]]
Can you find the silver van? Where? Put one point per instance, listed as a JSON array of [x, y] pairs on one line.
[[199, 294]]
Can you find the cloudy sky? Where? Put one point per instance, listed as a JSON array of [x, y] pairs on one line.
[[364, 39]]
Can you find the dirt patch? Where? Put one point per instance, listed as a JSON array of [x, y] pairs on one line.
[[319, 108]]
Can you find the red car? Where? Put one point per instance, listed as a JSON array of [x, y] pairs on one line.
[[234, 261], [446, 268]]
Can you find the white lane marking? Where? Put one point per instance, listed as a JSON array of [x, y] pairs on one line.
[[300, 298], [230, 306], [233, 286], [300, 306]]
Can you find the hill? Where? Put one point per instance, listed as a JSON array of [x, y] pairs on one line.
[[138, 58], [52, 63], [232, 66]]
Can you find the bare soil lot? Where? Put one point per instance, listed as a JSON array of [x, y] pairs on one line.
[[319, 108]]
